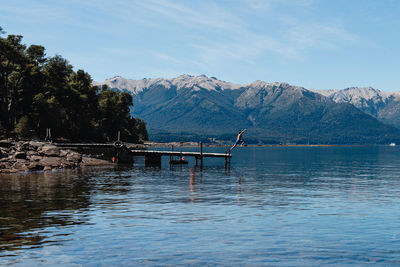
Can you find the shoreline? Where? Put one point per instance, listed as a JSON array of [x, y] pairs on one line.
[[29, 156]]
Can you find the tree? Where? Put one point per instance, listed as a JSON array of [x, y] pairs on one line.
[[12, 62], [37, 92]]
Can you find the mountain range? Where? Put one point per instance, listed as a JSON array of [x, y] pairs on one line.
[[382, 105], [196, 107]]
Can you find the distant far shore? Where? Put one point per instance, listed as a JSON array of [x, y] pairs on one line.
[[197, 144]]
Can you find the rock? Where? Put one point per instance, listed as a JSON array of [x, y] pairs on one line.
[[20, 164], [36, 145], [35, 166], [4, 159], [68, 164], [8, 170], [6, 143], [50, 161], [35, 158], [74, 157], [22, 146], [63, 153], [31, 153], [20, 155], [86, 161], [50, 151]]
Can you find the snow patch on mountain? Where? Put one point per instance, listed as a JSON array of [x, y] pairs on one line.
[[367, 99], [326, 92], [182, 81], [356, 95]]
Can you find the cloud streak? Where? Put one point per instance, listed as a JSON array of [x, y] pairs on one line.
[[206, 36], [216, 32], [237, 40]]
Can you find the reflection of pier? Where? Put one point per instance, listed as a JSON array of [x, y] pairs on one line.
[[124, 154]]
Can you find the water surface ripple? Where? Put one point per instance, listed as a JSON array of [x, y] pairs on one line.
[[285, 206]]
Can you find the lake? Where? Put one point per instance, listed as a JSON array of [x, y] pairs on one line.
[[280, 206]]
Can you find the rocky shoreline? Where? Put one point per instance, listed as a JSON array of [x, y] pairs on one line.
[[26, 156]]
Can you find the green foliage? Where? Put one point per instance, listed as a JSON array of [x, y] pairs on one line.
[[22, 128], [37, 92]]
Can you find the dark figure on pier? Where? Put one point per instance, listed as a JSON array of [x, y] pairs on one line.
[[238, 140]]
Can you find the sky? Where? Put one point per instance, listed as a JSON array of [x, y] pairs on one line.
[[317, 44]]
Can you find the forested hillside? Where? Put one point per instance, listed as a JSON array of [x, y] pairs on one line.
[[200, 107], [39, 92]]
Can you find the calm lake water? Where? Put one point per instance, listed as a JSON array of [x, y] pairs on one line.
[[286, 206]]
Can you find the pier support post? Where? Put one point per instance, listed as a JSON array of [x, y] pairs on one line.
[[123, 156], [201, 155], [226, 158], [152, 160], [171, 157]]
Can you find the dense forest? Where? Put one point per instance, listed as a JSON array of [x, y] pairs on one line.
[[39, 93]]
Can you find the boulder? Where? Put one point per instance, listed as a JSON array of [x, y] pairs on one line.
[[22, 146], [20, 155], [64, 153], [35, 166], [8, 170], [31, 153], [74, 157], [6, 143], [68, 164], [5, 159], [50, 161], [36, 145], [35, 158], [50, 151], [20, 164], [86, 161]]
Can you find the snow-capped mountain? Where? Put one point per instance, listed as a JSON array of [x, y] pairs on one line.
[[382, 105], [367, 99], [272, 112], [182, 81]]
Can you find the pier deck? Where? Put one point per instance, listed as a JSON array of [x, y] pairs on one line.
[[124, 154], [180, 154]]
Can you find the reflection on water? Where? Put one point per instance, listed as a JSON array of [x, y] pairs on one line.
[[27, 203], [273, 206]]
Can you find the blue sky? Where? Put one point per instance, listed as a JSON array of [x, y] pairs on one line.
[[317, 44]]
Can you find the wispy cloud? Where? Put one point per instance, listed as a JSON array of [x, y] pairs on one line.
[[190, 33], [237, 40], [266, 5], [208, 14], [217, 32], [167, 58]]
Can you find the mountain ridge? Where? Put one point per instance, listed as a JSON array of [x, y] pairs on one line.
[[384, 106], [276, 112]]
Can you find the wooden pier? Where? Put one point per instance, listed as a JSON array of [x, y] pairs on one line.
[[153, 157], [123, 154]]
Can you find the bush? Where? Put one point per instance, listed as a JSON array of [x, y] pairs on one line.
[[23, 129]]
